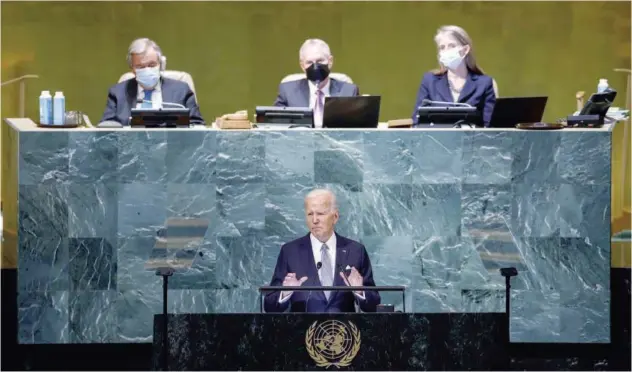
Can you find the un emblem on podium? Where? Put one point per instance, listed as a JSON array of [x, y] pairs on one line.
[[332, 343]]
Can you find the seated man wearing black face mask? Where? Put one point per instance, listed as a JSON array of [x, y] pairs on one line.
[[149, 89], [316, 60]]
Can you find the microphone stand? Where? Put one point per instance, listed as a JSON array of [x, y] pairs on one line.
[[165, 272], [508, 272]]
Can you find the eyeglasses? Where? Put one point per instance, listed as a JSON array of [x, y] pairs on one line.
[[145, 65], [322, 61]]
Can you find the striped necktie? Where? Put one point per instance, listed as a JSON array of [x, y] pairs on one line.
[[319, 109], [326, 273]]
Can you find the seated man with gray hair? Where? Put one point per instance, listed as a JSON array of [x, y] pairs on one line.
[[316, 61], [149, 89]]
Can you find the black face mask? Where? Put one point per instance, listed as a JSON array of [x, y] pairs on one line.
[[317, 72]]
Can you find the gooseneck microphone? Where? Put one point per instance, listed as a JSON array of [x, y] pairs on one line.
[[319, 265], [343, 270], [141, 101]]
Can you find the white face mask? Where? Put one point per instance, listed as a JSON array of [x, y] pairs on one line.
[[148, 77], [451, 58]]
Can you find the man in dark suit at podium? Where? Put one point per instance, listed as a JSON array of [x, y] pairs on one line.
[[322, 257]]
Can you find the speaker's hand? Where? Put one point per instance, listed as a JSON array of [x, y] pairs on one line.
[[354, 279], [291, 281]]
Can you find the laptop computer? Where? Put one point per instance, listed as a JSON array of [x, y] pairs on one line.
[[351, 112], [514, 110]]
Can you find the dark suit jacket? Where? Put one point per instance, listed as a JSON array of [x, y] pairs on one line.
[[478, 91], [122, 97], [297, 257], [296, 93]]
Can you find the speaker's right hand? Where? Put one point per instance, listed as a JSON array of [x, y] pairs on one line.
[[291, 281]]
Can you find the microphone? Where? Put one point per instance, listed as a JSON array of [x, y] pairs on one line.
[[319, 265], [343, 271], [356, 301], [340, 269], [427, 102], [141, 101]]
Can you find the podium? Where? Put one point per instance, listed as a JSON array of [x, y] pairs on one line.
[[318, 341], [350, 341]]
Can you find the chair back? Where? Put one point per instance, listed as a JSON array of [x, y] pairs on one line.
[[495, 85]]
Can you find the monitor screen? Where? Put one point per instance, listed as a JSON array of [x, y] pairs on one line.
[[160, 117], [290, 117], [448, 116]]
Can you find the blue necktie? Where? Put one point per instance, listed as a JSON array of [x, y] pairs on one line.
[[147, 99]]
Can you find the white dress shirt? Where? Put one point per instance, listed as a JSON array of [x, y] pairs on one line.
[[156, 96], [318, 119], [316, 251]]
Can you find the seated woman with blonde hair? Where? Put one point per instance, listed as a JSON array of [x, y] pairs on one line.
[[459, 78]]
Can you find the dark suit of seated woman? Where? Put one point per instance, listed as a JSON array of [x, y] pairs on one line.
[[459, 79]]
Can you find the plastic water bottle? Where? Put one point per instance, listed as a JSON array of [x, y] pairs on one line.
[[602, 86], [59, 108], [46, 108]]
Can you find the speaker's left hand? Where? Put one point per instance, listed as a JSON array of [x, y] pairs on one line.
[[353, 280]]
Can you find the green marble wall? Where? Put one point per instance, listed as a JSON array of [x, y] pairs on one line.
[[438, 211]]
